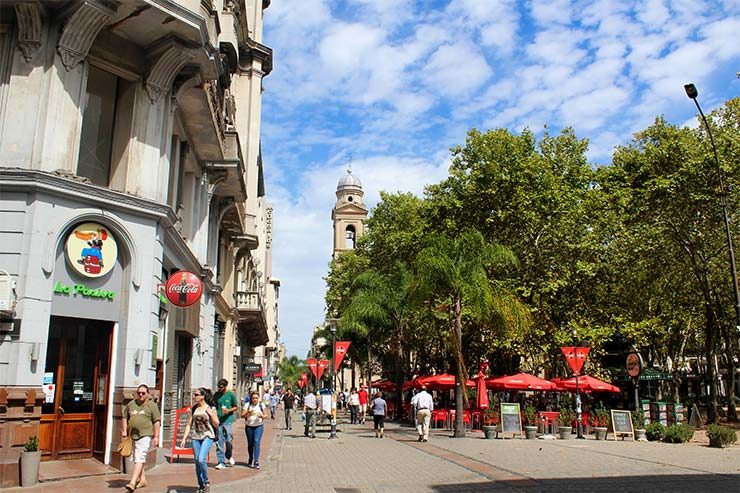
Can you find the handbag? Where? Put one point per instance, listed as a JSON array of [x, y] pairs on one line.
[[126, 447]]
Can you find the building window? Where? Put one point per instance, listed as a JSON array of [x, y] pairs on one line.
[[97, 127], [350, 236]]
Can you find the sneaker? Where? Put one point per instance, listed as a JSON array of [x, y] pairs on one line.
[[249, 465], [220, 466], [256, 466], [232, 461]]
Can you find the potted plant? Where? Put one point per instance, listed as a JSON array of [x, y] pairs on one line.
[[30, 460], [600, 420], [721, 436], [490, 422], [565, 422], [638, 422], [530, 429]]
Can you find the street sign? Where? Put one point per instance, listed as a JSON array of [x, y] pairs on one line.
[[252, 367]]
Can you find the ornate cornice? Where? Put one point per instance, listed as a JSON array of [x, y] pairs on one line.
[[174, 55], [250, 51], [81, 29], [30, 28]]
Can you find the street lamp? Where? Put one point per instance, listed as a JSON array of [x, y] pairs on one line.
[[333, 328], [692, 93], [579, 424]]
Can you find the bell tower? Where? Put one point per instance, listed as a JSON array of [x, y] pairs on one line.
[[349, 214]]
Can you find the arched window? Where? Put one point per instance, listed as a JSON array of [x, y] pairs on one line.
[[350, 236]]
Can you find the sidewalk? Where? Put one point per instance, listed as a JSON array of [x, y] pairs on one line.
[[170, 478]]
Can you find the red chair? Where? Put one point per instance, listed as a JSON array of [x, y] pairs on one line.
[[476, 418], [439, 415], [466, 419], [548, 421]]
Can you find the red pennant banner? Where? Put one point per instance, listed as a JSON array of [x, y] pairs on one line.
[[313, 365], [576, 356], [323, 365], [302, 381], [340, 350]]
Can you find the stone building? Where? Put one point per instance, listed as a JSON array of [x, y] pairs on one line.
[[129, 150]]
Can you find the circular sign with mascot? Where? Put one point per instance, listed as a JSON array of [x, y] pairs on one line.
[[183, 288], [91, 250]]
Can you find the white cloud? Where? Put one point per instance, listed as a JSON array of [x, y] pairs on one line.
[[456, 69]]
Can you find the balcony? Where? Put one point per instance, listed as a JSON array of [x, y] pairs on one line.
[[251, 323]]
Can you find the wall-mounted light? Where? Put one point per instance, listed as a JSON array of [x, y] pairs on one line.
[[137, 357], [35, 349]]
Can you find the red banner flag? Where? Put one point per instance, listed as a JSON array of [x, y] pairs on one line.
[[323, 365], [313, 365], [302, 381], [340, 350], [576, 356]]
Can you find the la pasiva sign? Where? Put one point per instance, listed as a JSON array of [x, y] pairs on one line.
[[84, 291]]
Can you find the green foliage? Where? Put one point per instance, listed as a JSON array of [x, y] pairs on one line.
[[530, 414], [678, 433], [490, 416], [654, 431], [600, 416], [32, 445], [566, 415], [638, 419], [721, 436], [289, 369]]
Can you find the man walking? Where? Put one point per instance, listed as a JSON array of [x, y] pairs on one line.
[[274, 401], [226, 406], [288, 406], [310, 403], [424, 405], [362, 394], [141, 419]]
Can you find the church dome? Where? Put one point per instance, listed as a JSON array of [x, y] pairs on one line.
[[349, 181]]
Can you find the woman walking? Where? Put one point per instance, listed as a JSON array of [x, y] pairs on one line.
[[377, 408], [354, 406], [254, 413], [201, 425]]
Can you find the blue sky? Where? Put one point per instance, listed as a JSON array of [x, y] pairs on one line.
[[392, 84]]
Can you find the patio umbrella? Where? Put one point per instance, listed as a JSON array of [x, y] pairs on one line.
[[481, 394], [384, 385], [520, 381], [587, 384], [442, 381]]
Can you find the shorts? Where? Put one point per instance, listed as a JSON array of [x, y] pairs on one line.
[[379, 421], [141, 448], [363, 408]]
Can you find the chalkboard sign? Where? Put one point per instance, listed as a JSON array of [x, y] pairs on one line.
[[622, 424], [511, 419]]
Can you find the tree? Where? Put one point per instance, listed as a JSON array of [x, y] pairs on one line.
[[453, 272], [290, 369]]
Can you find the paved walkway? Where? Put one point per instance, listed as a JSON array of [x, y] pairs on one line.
[[357, 462]]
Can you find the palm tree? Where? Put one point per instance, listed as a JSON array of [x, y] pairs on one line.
[[454, 272], [290, 369]]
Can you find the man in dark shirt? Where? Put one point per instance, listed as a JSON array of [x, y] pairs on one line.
[[288, 406]]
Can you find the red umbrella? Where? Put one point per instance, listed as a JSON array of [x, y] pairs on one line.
[[384, 385], [587, 384], [481, 394], [442, 381], [520, 381]]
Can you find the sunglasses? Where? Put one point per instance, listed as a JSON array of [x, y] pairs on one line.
[[141, 393], [197, 395]]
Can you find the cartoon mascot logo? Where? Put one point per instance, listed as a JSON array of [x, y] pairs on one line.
[[91, 250]]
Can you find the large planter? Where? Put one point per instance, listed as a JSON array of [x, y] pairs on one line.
[[601, 432], [565, 432], [641, 435], [489, 431], [30, 468], [530, 432]]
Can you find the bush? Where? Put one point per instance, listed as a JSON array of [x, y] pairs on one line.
[[566, 416], [530, 413], [678, 433], [32, 445], [654, 431], [600, 417], [721, 436], [638, 419]]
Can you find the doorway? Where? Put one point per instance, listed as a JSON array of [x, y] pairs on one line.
[[74, 418]]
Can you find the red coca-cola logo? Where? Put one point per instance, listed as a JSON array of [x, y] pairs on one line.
[[183, 288]]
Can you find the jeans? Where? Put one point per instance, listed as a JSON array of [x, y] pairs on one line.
[[254, 436], [354, 410], [225, 436], [272, 411], [200, 454], [310, 422], [289, 418]]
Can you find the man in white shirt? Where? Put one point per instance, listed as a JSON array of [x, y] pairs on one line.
[[423, 404]]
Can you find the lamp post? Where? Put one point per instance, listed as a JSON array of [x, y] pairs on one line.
[[579, 424], [333, 328], [692, 93]]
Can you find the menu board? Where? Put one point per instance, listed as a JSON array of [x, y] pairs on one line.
[[511, 419], [622, 423]]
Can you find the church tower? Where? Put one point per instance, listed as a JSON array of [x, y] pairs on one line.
[[349, 214]]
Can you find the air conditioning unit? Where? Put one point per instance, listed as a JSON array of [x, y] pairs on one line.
[[7, 297]]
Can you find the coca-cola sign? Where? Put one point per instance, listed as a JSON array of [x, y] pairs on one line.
[[183, 288]]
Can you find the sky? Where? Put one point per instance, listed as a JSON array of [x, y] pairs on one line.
[[391, 85]]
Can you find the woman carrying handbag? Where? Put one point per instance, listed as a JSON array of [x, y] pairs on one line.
[[201, 427]]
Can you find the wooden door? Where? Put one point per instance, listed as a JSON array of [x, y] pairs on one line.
[[73, 425]]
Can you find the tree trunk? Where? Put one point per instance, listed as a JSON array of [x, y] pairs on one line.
[[459, 380], [399, 374], [731, 372], [709, 330]]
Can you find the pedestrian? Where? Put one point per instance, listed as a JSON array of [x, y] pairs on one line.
[[254, 412], [201, 428], [362, 393], [141, 420], [423, 404], [274, 401], [288, 406], [265, 399], [377, 409], [226, 406], [310, 405], [354, 406]]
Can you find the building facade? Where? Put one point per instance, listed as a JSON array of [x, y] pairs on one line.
[[129, 150]]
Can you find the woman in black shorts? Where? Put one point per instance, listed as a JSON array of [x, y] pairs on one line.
[[377, 408]]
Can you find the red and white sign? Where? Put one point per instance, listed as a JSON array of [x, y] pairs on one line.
[[302, 381], [183, 288], [340, 350], [576, 356], [313, 365], [323, 365]]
